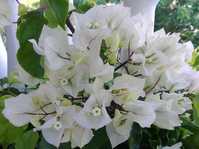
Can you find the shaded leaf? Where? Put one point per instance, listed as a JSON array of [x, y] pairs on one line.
[[99, 141], [30, 27], [27, 141]]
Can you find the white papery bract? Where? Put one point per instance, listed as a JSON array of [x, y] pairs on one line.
[[97, 24], [94, 114], [53, 45], [127, 88], [30, 108], [113, 73], [15, 109], [119, 130], [62, 129]]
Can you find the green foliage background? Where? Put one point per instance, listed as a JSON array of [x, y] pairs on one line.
[[173, 15], [179, 16]]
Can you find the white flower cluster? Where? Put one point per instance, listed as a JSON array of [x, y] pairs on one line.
[[110, 73]]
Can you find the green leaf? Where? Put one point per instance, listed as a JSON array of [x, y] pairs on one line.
[[56, 12], [190, 125], [195, 59], [135, 137], [27, 141], [191, 142], [45, 145], [30, 27], [9, 91], [9, 133], [84, 5], [195, 102], [30, 61], [99, 141]]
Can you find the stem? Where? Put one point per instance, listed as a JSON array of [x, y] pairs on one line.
[[42, 114], [70, 97], [125, 62], [121, 65], [69, 24], [62, 57], [155, 84]]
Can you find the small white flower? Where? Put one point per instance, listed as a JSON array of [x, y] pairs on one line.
[[58, 125], [63, 82], [96, 111], [94, 114]]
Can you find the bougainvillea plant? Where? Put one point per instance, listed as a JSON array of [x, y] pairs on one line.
[[99, 78]]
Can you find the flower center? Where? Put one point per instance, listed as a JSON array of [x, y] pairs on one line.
[[63, 82], [58, 125], [96, 111]]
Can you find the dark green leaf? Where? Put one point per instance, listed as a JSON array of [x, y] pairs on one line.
[[190, 125], [195, 101], [30, 27], [9, 91], [191, 142], [44, 145], [27, 141], [56, 12], [135, 137], [99, 141], [30, 61]]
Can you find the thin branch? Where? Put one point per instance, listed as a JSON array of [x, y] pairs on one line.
[[62, 57], [155, 84], [125, 62], [42, 114], [121, 65], [70, 97], [69, 24]]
